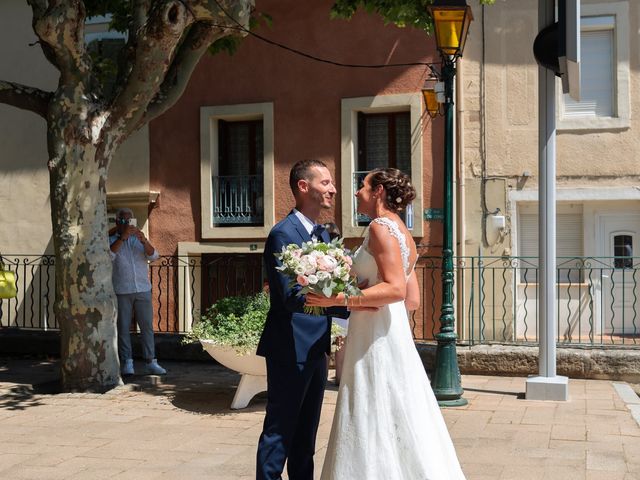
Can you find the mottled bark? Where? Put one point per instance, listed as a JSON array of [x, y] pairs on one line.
[[85, 303], [25, 98]]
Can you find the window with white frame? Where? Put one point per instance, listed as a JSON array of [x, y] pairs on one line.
[[379, 132], [604, 89], [569, 243], [384, 140], [237, 164]]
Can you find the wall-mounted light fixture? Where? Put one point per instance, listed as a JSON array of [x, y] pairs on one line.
[[433, 93]]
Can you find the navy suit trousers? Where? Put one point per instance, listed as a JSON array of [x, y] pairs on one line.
[[294, 402]]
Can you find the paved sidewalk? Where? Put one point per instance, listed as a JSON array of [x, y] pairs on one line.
[[182, 428]]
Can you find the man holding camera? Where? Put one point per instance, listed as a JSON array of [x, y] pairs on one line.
[[130, 252]]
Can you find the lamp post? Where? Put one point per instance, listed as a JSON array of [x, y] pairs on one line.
[[451, 19]]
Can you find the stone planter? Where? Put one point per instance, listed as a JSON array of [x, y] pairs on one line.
[[252, 368]]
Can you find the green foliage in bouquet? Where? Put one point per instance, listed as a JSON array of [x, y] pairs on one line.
[[235, 322]]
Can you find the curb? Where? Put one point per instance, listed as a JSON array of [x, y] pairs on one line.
[[631, 400]]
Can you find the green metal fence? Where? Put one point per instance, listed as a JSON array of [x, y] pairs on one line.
[[496, 297], [497, 300]]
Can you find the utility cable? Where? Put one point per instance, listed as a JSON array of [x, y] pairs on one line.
[[242, 28]]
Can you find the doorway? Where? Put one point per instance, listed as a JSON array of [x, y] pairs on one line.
[[620, 247]]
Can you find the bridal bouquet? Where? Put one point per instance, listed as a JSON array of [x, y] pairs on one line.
[[320, 268]]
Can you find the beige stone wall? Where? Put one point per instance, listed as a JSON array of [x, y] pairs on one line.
[[500, 93], [25, 221]]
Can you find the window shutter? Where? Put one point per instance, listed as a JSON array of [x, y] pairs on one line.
[[569, 242], [597, 77], [569, 238]]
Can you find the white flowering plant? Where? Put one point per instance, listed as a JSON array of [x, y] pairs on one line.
[[320, 268]]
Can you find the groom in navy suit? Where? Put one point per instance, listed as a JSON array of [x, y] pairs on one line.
[[295, 344]]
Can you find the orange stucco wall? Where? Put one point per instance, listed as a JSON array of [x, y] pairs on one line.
[[306, 95]]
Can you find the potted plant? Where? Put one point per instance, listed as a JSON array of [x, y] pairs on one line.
[[229, 331]]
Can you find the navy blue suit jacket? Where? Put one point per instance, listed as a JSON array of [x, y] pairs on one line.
[[290, 335]]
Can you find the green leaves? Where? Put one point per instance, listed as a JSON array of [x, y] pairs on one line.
[[231, 43], [403, 13], [233, 322]]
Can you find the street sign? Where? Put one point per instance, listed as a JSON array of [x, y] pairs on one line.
[[557, 47], [569, 46], [434, 214]]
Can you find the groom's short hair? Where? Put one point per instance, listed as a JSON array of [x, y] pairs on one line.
[[302, 171]]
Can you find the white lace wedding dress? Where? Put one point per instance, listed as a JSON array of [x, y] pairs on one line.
[[387, 423]]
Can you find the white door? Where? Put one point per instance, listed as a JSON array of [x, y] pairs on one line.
[[620, 249]]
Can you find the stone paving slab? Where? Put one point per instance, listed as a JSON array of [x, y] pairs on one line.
[[180, 427]]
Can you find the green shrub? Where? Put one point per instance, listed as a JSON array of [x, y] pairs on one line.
[[233, 322], [236, 322]]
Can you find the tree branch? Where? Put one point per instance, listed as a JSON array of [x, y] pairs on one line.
[[166, 52], [25, 98], [59, 25], [200, 37], [151, 56], [209, 28], [140, 14], [38, 7]]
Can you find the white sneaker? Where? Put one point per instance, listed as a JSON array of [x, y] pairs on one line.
[[127, 367], [153, 368]]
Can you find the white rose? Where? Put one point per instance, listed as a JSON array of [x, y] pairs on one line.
[[312, 279], [309, 260], [323, 275]]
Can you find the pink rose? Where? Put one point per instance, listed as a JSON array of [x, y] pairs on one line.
[[302, 280], [327, 263], [347, 259]]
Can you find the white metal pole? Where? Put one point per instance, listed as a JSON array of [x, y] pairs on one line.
[[547, 386], [547, 208]]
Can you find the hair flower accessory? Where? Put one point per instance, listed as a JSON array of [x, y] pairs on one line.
[[398, 200]]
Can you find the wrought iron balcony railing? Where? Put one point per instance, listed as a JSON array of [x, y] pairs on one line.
[[238, 200]]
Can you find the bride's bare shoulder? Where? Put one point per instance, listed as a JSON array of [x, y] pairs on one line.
[[379, 232]]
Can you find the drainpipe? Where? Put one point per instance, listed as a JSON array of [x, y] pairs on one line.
[[460, 220]]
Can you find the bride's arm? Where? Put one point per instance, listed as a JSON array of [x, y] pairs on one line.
[[393, 285], [412, 301]]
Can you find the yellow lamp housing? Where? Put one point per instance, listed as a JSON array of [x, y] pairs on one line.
[[430, 100], [432, 92], [451, 19]]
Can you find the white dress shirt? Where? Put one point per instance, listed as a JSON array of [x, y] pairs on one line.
[[307, 223], [130, 266]]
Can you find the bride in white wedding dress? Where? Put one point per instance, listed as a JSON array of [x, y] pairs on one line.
[[387, 423]]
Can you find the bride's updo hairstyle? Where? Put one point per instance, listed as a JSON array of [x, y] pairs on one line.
[[397, 187]]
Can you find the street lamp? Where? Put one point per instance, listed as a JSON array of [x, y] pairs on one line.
[[433, 93], [451, 19]]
